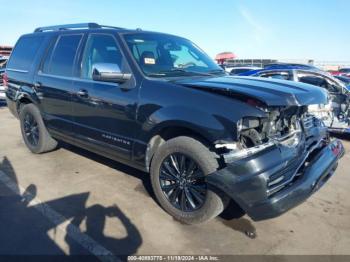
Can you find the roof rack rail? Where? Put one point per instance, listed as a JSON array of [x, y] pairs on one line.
[[111, 27], [72, 26]]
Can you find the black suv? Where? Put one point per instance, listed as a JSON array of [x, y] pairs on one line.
[[158, 103]]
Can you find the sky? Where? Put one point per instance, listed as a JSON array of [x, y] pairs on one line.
[[276, 29]]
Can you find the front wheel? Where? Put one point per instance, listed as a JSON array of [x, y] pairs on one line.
[[178, 172]]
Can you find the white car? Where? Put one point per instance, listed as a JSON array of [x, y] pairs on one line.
[[2, 92], [336, 114], [2, 89]]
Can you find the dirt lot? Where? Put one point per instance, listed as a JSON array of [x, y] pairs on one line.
[[70, 201]]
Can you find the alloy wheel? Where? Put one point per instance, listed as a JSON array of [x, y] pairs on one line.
[[183, 182], [31, 129]]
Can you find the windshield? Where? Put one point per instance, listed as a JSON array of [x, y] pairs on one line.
[[160, 55]]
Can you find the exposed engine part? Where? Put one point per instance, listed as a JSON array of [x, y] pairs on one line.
[[277, 126], [250, 138]]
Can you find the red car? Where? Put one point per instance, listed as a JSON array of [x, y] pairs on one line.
[[341, 72]]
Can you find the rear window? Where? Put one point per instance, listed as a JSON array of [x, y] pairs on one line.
[[60, 60], [24, 53]]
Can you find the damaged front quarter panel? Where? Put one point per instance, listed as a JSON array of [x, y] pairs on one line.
[[267, 180]]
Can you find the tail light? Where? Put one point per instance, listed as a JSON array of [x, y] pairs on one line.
[[5, 80]]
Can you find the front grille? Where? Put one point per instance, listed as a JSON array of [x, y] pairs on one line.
[[294, 168]]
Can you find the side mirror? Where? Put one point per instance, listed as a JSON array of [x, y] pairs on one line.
[[108, 72]]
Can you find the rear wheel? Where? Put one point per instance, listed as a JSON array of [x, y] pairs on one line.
[[34, 132], [178, 172]]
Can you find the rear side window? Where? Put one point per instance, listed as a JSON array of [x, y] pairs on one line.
[[239, 71], [60, 58], [24, 53]]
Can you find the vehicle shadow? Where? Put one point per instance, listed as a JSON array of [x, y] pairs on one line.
[[145, 187], [26, 224], [232, 217]]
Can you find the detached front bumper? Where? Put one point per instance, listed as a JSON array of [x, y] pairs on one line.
[[278, 178]]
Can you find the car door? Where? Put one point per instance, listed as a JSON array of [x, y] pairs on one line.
[[54, 82], [104, 113]]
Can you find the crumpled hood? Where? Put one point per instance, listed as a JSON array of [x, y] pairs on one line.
[[272, 92]]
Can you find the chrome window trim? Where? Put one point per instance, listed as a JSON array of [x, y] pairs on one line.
[[72, 78], [17, 70]]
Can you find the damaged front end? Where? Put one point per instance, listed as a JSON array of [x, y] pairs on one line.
[[277, 161]]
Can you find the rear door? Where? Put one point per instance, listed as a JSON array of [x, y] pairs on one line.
[[54, 82]]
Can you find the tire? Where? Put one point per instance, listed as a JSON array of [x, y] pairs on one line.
[[38, 139], [206, 162]]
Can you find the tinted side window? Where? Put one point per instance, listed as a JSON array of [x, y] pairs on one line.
[[60, 62], [277, 75], [313, 80], [100, 49], [318, 80], [239, 71], [24, 53], [46, 63]]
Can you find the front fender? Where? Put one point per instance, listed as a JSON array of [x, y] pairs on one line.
[[209, 126]]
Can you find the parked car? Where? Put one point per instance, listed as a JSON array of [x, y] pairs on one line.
[[344, 72], [158, 103], [341, 72], [290, 66], [336, 114], [334, 72], [235, 70], [280, 66], [345, 80], [2, 71]]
